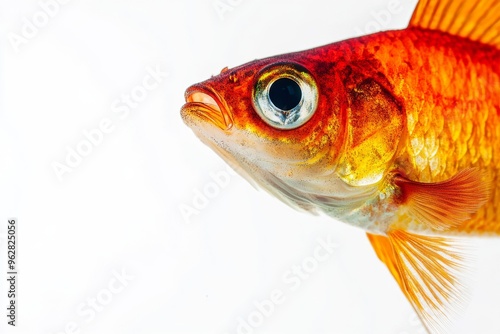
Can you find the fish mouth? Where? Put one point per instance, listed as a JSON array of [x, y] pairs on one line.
[[204, 103]]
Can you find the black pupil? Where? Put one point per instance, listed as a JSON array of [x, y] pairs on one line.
[[285, 94]]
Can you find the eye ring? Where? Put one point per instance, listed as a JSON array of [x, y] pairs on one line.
[[285, 96]]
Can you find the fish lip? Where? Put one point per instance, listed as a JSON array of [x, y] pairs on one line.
[[204, 103]]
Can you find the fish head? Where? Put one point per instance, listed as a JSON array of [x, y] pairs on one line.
[[283, 123]]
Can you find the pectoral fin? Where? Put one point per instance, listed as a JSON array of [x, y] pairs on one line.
[[429, 271], [444, 205]]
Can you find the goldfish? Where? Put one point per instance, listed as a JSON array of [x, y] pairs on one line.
[[396, 133]]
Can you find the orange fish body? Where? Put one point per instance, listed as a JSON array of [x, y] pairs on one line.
[[397, 133], [448, 87], [452, 120]]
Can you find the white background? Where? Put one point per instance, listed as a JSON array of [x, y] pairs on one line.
[[119, 209]]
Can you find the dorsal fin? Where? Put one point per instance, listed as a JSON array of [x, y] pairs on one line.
[[477, 20]]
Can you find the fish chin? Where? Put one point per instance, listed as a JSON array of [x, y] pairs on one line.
[[311, 193], [261, 178]]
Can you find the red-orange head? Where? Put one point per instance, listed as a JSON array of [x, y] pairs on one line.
[[298, 123]]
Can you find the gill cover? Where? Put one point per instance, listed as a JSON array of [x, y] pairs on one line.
[[375, 121]]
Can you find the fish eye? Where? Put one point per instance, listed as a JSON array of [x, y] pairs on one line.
[[285, 96]]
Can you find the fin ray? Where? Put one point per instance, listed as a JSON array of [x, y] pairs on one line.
[[477, 20], [445, 205], [429, 271]]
